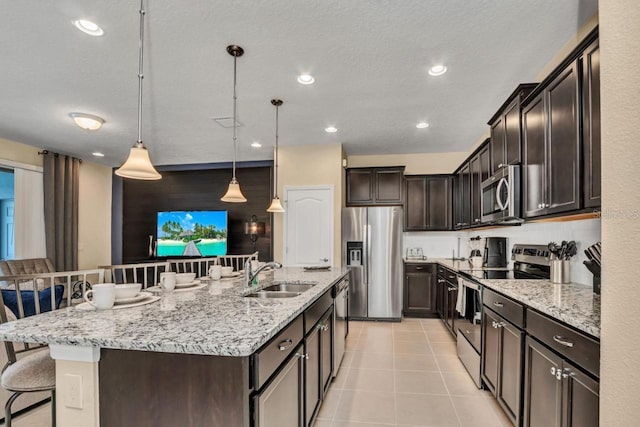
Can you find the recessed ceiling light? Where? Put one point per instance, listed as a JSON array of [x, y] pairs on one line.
[[306, 79], [98, 154], [422, 125], [331, 129], [87, 121], [256, 144], [437, 70], [88, 27]]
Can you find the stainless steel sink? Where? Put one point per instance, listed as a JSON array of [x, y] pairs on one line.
[[290, 287], [272, 294]]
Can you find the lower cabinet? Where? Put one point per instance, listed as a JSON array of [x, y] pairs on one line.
[[279, 403], [312, 365], [557, 393], [502, 362], [326, 332], [419, 290]]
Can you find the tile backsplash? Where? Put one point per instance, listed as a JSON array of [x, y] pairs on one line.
[[584, 232]]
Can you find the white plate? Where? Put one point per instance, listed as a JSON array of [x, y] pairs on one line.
[[187, 285], [131, 300], [229, 276]]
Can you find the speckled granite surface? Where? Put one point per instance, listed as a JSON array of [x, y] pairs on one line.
[[573, 304], [209, 321]]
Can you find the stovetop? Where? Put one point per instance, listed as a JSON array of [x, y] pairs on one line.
[[520, 271]]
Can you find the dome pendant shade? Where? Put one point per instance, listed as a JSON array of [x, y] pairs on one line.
[[275, 206], [138, 165], [234, 194]]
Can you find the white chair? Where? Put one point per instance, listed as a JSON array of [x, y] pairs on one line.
[[146, 273], [237, 261], [200, 266], [29, 368]]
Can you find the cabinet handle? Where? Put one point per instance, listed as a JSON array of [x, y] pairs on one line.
[[557, 373], [452, 277], [498, 304], [547, 205], [304, 356], [567, 373], [553, 371], [562, 341], [501, 165], [452, 288], [285, 345], [419, 268], [323, 327], [440, 280]]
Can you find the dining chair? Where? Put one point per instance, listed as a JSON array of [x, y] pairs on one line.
[[29, 367], [237, 261], [200, 266], [146, 273]]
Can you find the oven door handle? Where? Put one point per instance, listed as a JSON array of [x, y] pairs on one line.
[[505, 205]]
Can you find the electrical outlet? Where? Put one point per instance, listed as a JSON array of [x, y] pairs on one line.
[[73, 395]]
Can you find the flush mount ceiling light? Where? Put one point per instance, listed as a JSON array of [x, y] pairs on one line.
[[276, 205], [88, 27], [98, 154], [437, 70], [138, 165], [331, 129], [234, 194], [422, 125], [87, 121], [306, 79], [256, 144]]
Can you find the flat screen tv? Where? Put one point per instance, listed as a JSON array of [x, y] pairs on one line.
[[192, 233]]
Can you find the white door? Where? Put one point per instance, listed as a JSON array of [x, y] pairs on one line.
[[6, 229], [308, 226]]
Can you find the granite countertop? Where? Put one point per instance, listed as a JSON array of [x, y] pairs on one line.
[[574, 304], [210, 321]]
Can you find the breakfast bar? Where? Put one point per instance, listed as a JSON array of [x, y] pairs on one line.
[[187, 359]]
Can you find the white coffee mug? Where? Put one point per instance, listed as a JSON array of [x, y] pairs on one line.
[[104, 296], [215, 272], [168, 281]]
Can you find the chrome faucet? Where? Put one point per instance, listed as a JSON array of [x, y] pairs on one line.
[[250, 275]]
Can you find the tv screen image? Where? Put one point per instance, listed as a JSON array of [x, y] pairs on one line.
[[192, 233]]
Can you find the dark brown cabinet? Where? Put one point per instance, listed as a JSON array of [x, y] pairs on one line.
[[479, 169], [420, 290], [551, 128], [590, 65], [557, 393], [326, 332], [375, 186], [506, 142], [428, 203], [312, 374], [463, 197]]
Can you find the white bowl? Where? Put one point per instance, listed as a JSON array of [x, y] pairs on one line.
[[185, 277], [127, 290], [227, 271]]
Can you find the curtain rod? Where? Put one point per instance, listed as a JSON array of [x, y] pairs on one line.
[[43, 152]]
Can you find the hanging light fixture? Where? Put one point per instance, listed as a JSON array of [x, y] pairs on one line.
[[234, 194], [138, 165], [276, 205]]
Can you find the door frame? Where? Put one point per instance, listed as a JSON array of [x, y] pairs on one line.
[[285, 218]]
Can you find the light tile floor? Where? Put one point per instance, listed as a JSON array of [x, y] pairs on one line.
[[393, 374], [405, 374]]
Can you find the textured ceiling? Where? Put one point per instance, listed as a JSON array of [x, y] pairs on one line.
[[369, 58]]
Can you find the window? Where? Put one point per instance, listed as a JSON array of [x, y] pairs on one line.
[[7, 205]]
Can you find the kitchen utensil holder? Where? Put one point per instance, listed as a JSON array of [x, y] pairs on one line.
[[560, 271]]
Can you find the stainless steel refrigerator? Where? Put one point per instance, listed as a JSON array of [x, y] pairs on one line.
[[372, 248]]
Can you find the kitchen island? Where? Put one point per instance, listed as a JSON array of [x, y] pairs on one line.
[[190, 359]]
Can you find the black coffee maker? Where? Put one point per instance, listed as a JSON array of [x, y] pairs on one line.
[[495, 252]]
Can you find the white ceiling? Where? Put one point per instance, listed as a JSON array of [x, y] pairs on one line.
[[369, 58]]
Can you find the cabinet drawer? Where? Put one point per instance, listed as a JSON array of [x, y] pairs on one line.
[[313, 314], [510, 310], [417, 268], [571, 344], [267, 360]]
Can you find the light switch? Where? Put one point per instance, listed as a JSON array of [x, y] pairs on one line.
[[73, 388]]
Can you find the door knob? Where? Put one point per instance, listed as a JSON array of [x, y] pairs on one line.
[[324, 259]]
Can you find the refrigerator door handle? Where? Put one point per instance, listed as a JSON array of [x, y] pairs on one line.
[[367, 258]]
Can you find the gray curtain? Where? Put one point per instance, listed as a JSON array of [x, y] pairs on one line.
[[61, 180]]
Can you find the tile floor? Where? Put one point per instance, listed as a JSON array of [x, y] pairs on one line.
[[393, 374], [405, 374]]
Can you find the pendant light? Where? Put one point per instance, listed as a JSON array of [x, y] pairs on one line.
[[276, 205], [138, 165], [234, 194]]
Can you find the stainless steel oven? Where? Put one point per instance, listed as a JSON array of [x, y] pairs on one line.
[[469, 326], [501, 196]]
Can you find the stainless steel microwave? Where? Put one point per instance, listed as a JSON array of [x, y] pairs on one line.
[[501, 196]]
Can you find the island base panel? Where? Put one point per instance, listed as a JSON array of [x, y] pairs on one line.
[[149, 389]]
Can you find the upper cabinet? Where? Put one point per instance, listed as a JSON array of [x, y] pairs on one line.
[[375, 186], [462, 201], [480, 167], [590, 66], [428, 204], [506, 130]]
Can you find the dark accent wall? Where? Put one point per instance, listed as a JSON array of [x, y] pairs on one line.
[[198, 189]]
